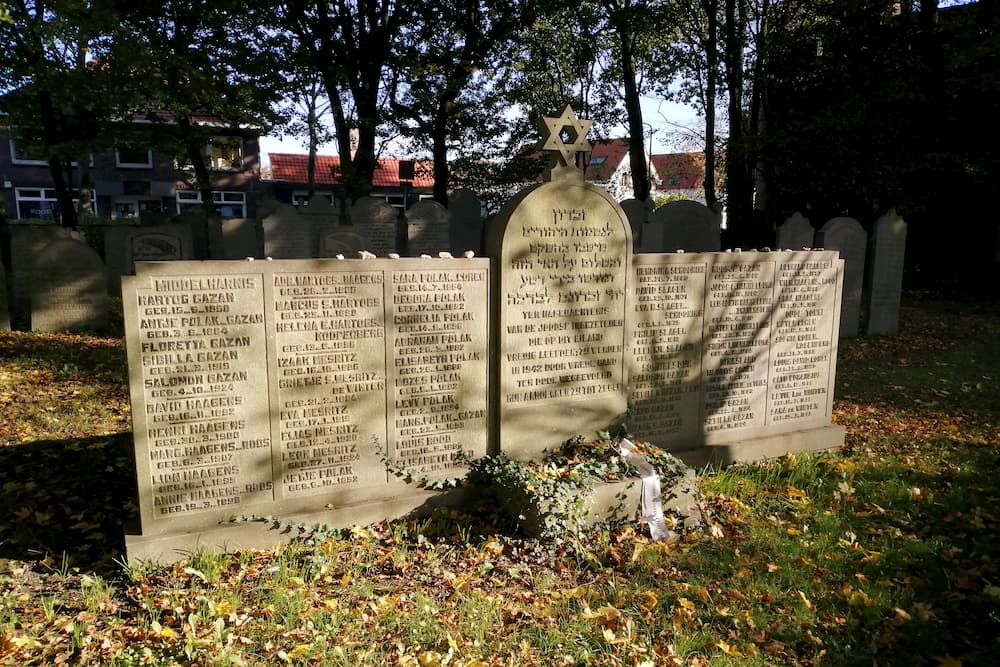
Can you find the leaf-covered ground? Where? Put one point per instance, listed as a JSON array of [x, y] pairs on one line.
[[885, 553]]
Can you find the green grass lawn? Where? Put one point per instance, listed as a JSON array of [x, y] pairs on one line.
[[884, 553]]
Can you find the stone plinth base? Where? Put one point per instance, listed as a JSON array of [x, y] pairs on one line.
[[764, 447], [234, 536]]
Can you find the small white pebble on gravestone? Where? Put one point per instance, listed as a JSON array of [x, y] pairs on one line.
[[364, 254], [339, 256], [425, 257], [680, 251], [444, 255], [249, 259], [468, 254], [393, 255]]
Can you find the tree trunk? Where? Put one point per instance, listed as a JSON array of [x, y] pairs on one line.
[[196, 154], [636, 147], [737, 190], [711, 8], [311, 122]]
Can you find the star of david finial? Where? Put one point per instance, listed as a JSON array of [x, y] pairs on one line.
[[556, 132]]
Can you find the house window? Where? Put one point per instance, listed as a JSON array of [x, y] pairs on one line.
[[37, 204], [27, 155], [227, 204], [129, 157], [225, 153], [301, 197], [597, 160]]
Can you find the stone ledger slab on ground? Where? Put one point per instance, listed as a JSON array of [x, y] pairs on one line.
[[279, 388]]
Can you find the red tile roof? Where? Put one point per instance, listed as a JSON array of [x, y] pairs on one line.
[[605, 158], [680, 171], [293, 168]]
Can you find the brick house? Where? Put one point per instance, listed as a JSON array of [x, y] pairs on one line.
[[130, 181]]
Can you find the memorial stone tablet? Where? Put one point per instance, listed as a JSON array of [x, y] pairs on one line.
[[438, 333], [200, 411], [288, 235], [848, 237], [795, 233], [427, 228], [563, 251], [665, 401], [465, 222], [884, 282], [69, 292], [728, 348], [235, 238], [376, 220], [276, 388]]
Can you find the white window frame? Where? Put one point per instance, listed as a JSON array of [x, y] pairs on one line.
[[21, 161], [224, 138], [148, 164], [188, 199], [301, 197], [45, 195]]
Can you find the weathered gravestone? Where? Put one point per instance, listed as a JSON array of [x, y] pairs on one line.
[[70, 289], [638, 214], [288, 235], [197, 222], [235, 238], [27, 241], [848, 237], [733, 356], [320, 211], [795, 233], [427, 228], [884, 278], [276, 388], [339, 241], [465, 222], [682, 225], [4, 311], [561, 254], [376, 221], [124, 245]]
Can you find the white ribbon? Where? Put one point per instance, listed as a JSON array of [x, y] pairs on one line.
[[652, 507]]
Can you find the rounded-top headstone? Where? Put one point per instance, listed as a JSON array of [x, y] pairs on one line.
[[70, 290]]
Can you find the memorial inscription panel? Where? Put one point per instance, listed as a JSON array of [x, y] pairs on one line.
[[275, 387], [193, 373], [564, 254], [731, 345]]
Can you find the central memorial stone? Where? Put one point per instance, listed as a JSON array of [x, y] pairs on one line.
[[561, 257]]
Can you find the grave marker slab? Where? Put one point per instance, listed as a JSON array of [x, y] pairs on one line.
[[682, 225], [235, 238], [70, 289], [27, 241], [638, 214], [124, 245], [884, 281], [847, 236], [427, 228], [795, 233], [288, 381], [376, 220], [733, 352], [465, 222], [562, 253], [288, 235]]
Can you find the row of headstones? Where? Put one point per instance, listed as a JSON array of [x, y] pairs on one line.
[[61, 284], [873, 268]]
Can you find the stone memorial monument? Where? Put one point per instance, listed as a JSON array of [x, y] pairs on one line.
[[733, 355], [288, 235], [235, 238], [69, 292], [27, 241], [561, 254], [376, 221], [795, 233], [465, 222], [427, 228], [124, 245], [848, 237], [638, 215], [682, 225], [279, 388], [884, 278]]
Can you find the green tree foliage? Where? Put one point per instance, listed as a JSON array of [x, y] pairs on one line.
[[191, 59], [447, 61], [57, 103]]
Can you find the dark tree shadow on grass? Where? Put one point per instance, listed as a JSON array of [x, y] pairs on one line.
[[68, 501]]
